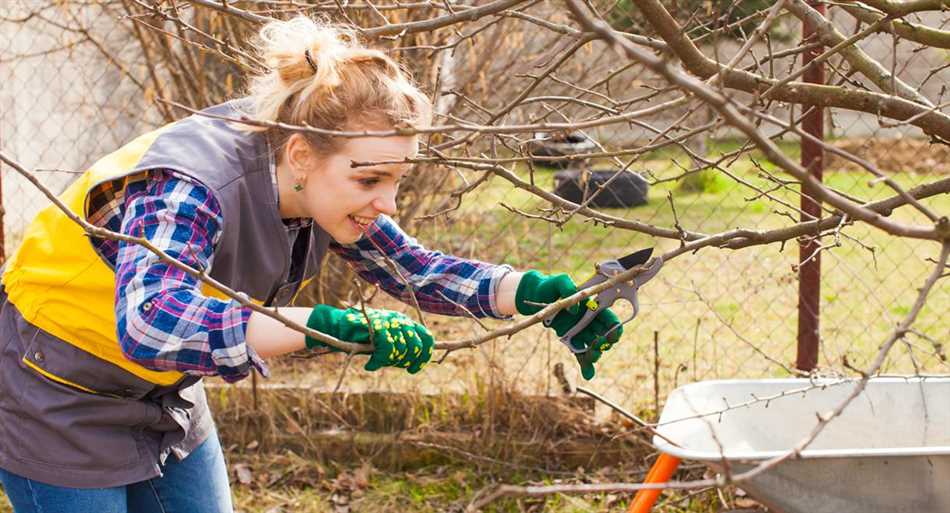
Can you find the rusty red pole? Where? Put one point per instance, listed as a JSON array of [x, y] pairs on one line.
[[809, 271]]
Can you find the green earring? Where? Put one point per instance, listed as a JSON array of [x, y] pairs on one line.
[[298, 186]]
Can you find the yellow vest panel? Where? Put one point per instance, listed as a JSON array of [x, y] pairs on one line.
[[59, 283]]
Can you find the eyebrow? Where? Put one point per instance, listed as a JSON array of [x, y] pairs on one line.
[[377, 172]]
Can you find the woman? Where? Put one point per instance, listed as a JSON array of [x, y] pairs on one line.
[[103, 344]]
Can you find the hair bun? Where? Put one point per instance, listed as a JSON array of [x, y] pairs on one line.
[[323, 76]]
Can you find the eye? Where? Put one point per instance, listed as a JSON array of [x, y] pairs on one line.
[[368, 182]]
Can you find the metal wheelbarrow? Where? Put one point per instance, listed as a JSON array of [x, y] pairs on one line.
[[888, 452]]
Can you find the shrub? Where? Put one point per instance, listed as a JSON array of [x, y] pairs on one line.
[[703, 181]]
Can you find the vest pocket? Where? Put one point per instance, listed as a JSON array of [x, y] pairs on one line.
[[132, 412], [62, 363], [35, 362]]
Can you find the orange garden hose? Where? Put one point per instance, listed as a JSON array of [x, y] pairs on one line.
[[661, 472]]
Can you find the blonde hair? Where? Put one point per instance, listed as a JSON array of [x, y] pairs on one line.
[[322, 75]]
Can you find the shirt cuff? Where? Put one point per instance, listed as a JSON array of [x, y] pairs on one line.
[[236, 370], [258, 362]]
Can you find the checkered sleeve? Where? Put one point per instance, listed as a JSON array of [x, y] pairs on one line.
[[442, 284], [164, 322]]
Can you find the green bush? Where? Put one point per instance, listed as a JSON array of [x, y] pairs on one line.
[[703, 181]]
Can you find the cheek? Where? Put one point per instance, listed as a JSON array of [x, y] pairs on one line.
[[350, 195], [313, 202], [335, 201]]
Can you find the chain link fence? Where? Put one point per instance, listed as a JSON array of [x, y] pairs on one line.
[[69, 95]]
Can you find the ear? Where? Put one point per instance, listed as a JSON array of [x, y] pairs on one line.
[[299, 154]]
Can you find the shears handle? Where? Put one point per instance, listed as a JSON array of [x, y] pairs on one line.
[[592, 306], [606, 298]]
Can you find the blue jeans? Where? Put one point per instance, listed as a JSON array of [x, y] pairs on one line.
[[197, 484]]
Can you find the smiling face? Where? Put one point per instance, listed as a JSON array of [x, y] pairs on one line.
[[340, 198]]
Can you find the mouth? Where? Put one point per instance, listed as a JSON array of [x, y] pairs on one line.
[[361, 223]]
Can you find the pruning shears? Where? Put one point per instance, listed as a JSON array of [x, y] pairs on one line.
[[607, 297]]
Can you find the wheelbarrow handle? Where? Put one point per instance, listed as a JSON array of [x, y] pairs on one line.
[[663, 469]]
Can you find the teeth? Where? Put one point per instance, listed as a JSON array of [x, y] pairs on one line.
[[363, 222]]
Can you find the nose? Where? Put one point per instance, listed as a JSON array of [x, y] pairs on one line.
[[385, 203]]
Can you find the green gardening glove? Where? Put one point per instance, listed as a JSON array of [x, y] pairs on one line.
[[537, 290], [398, 341]]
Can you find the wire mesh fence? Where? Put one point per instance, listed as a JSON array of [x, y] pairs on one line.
[[74, 89]]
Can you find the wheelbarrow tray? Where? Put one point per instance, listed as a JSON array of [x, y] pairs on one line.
[[889, 451]]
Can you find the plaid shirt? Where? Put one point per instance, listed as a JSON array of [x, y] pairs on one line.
[[165, 323], [442, 284]]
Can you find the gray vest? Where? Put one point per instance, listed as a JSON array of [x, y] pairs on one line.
[[61, 435]]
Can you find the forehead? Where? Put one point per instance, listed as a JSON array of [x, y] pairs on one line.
[[381, 149]]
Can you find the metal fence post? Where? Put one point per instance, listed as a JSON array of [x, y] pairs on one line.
[[809, 271]]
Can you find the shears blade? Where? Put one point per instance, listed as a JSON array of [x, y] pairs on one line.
[[636, 258]]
